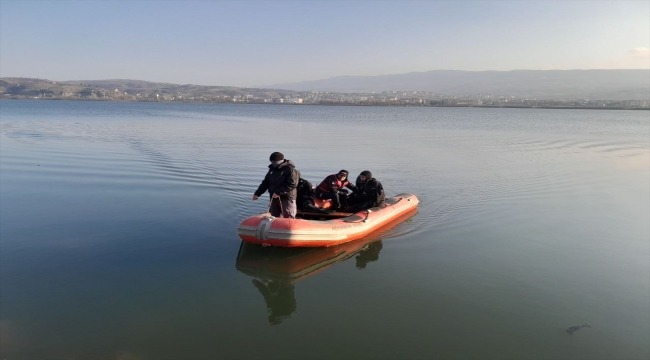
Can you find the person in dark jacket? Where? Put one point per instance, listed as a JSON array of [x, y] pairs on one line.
[[281, 181], [305, 200], [369, 193], [332, 188]]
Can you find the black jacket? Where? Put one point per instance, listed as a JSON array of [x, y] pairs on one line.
[[305, 193], [281, 180], [371, 191]]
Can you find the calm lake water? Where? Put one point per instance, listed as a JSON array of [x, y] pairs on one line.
[[118, 234]]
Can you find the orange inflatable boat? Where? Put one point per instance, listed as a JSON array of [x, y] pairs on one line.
[[315, 230], [295, 264]]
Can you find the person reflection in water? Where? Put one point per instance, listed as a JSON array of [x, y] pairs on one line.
[[369, 254], [280, 298]]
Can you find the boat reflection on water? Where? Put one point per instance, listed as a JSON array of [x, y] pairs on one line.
[[276, 270]]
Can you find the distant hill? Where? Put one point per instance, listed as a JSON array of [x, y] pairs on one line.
[[540, 84], [116, 89], [133, 86]]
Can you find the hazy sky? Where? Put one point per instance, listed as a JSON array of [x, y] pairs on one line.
[[256, 43]]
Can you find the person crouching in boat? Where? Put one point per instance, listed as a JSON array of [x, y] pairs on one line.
[[369, 193], [281, 181], [305, 201], [332, 188]]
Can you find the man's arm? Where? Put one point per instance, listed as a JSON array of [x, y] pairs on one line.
[[262, 188], [379, 194], [350, 186]]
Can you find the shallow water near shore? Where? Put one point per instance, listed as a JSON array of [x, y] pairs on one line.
[[118, 241]]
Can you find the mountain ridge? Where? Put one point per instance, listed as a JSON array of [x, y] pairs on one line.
[[542, 84]]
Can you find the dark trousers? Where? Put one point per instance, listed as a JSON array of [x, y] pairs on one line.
[[360, 202], [283, 207], [335, 196]]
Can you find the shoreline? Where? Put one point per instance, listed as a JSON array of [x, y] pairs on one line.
[[344, 104]]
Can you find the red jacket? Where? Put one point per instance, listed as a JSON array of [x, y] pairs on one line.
[[332, 183]]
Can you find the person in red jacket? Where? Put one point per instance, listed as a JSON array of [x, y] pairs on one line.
[[332, 188]]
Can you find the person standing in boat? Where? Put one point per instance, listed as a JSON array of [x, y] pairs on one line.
[[369, 193], [281, 181], [332, 188]]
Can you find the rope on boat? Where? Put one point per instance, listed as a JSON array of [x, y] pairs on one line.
[[362, 220], [271, 202]]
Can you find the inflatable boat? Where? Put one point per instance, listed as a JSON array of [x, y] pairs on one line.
[[317, 230], [295, 264]]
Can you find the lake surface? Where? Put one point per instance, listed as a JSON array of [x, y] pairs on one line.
[[118, 234]]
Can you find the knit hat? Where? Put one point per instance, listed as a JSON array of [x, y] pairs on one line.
[[342, 173], [367, 174], [276, 156]]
